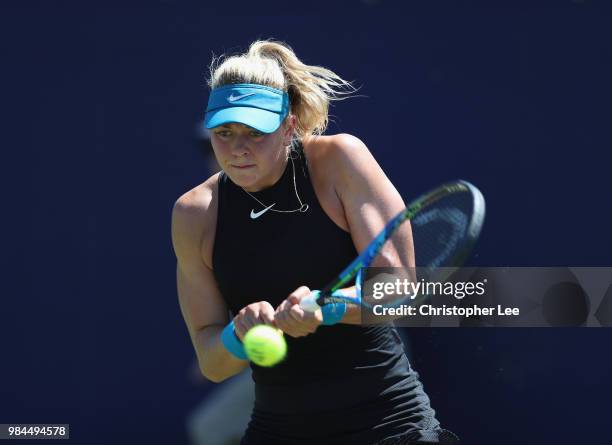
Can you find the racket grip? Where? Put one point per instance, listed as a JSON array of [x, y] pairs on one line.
[[309, 303]]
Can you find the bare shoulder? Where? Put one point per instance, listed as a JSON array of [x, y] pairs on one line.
[[196, 200], [337, 147], [341, 158], [194, 217], [332, 159]]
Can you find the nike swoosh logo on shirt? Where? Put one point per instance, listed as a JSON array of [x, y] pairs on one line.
[[255, 215], [233, 98]]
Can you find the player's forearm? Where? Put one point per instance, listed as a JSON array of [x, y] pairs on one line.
[[352, 314], [353, 311], [216, 362]]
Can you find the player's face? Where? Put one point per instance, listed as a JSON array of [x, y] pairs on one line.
[[253, 160]]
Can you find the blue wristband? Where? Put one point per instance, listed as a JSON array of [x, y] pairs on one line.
[[358, 282], [333, 313], [232, 343]]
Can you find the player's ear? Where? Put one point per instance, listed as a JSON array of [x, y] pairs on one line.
[[289, 128]]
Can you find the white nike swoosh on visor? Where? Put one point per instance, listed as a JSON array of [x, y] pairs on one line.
[[233, 98], [255, 215]]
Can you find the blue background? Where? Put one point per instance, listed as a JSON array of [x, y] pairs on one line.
[[101, 103]]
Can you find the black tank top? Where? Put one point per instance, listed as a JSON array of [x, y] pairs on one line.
[[361, 371]]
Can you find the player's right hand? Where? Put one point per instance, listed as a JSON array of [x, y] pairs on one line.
[[261, 312]]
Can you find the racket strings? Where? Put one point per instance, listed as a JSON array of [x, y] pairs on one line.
[[442, 231]]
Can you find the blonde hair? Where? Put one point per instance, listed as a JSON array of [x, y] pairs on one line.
[[272, 63]]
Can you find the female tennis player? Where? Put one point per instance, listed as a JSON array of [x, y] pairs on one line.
[[290, 209]]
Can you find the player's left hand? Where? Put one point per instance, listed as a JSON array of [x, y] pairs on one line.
[[292, 319]]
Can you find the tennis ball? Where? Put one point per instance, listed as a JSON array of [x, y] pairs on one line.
[[265, 345]]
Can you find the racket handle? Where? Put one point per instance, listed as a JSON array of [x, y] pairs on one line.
[[309, 303]]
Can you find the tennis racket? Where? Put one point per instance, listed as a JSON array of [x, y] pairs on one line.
[[446, 223]]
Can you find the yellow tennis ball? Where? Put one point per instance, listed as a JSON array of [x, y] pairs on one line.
[[265, 345]]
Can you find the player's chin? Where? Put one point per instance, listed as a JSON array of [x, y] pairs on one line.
[[244, 180]]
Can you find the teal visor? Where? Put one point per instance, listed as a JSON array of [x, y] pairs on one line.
[[258, 106]]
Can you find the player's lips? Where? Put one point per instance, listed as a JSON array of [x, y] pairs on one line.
[[243, 166]]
